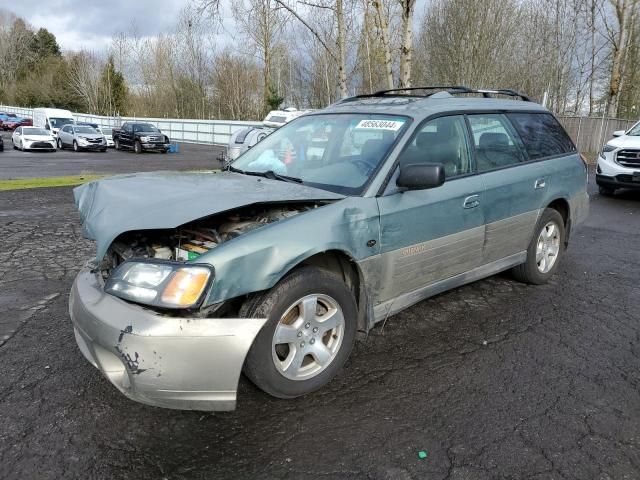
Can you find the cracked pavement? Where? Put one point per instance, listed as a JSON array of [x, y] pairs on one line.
[[492, 380]]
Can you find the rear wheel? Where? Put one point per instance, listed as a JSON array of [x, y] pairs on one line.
[[544, 251], [137, 147], [308, 336]]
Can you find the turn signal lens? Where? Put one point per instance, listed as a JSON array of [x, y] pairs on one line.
[[186, 286]]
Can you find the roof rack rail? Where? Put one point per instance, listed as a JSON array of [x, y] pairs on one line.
[[452, 89]]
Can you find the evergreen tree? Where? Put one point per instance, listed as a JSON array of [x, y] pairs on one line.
[[114, 90]]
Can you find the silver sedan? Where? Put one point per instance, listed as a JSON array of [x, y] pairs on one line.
[[81, 137]]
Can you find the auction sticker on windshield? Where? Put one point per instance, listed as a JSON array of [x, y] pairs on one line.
[[393, 125]]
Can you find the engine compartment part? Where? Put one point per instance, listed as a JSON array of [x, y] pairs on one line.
[[188, 242]]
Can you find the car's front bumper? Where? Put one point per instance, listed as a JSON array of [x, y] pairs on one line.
[[619, 181], [172, 362], [155, 146], [38, 145]]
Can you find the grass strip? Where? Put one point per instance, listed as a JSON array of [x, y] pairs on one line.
[[24, 183]]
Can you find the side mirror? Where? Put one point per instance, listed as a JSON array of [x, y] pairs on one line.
[[420, 176], [618, 133]]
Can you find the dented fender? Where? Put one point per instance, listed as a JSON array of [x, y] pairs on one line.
[[258, 259]]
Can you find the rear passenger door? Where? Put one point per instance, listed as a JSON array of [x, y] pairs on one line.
[[434, 234], [514, 189]]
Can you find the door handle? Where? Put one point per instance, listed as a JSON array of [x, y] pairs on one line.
[[471, 201], [540, 183]]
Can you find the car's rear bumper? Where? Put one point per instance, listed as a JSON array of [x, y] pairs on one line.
[[619, 181], [182, 363]]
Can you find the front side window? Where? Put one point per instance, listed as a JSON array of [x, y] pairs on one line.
[[336, 152], [541, 135], [495, 142], [441, 140]]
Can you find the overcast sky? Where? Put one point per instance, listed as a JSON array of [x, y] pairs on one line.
[[90, 24]]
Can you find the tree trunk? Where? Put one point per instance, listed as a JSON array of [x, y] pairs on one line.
[[406, 49], [383, 27], [342, 63]]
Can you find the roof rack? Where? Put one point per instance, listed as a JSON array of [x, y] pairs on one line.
[[451, 89]]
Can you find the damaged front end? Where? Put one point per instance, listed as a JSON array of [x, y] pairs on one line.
[[143, 311]]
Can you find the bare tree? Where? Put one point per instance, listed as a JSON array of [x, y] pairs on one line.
[[338, 54]]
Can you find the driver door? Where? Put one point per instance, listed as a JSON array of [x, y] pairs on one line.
[[434, 234]]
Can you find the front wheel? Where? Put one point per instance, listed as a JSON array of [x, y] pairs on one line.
[[310, 330], [116, 144], [60, 146], [137, 147], [76, 148], [544, 251]]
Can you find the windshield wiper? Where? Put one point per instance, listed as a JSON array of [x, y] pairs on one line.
[[270, 174]]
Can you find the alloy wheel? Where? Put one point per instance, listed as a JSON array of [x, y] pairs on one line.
[[548, 247], [308, 337]]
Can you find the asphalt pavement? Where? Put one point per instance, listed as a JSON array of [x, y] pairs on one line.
[[40, 164], [492, 380]]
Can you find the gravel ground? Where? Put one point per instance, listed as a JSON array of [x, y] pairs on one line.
[[493, 380]]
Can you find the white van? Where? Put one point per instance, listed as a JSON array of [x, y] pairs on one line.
[[52, 119]]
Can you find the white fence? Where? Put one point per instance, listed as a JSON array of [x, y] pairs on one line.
[[589, 133], [216, 132]]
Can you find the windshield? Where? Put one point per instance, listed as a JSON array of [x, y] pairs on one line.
[[336, 152], [35, 131], [144, 127], [635, 131], [85, 130], [59, 122]]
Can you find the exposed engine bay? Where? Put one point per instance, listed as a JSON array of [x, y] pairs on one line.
[[193, 239]]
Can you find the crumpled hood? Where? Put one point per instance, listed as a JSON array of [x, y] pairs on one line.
[[162, 200]]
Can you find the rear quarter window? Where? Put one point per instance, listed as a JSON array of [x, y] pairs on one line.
[[541, 134]]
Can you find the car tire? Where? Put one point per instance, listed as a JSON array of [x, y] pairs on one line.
[[103, 150], [307, 371], [545, 249], [14, 145], [606, 191], [60, 145], [76, 148], [116, 144], [137, 147], [164, 150]]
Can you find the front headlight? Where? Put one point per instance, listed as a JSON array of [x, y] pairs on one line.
[[606, 149], [160, 284], [145, 139]]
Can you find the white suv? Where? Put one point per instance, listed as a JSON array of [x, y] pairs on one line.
[[619, 162]]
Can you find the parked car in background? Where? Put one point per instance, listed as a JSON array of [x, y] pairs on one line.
[[245, 138], [12, 124], [81, 137], [6, 117], [619, 162], [52, 119], [99, 129], [329, 225], [33, 138], [140, 137]]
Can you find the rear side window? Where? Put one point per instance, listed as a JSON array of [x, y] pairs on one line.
[[541, 134], [495, 141]]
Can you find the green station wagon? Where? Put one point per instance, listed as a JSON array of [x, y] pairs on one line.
[[331, 224]]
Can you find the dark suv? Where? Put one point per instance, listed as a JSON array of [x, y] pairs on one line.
[[140, 137]]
